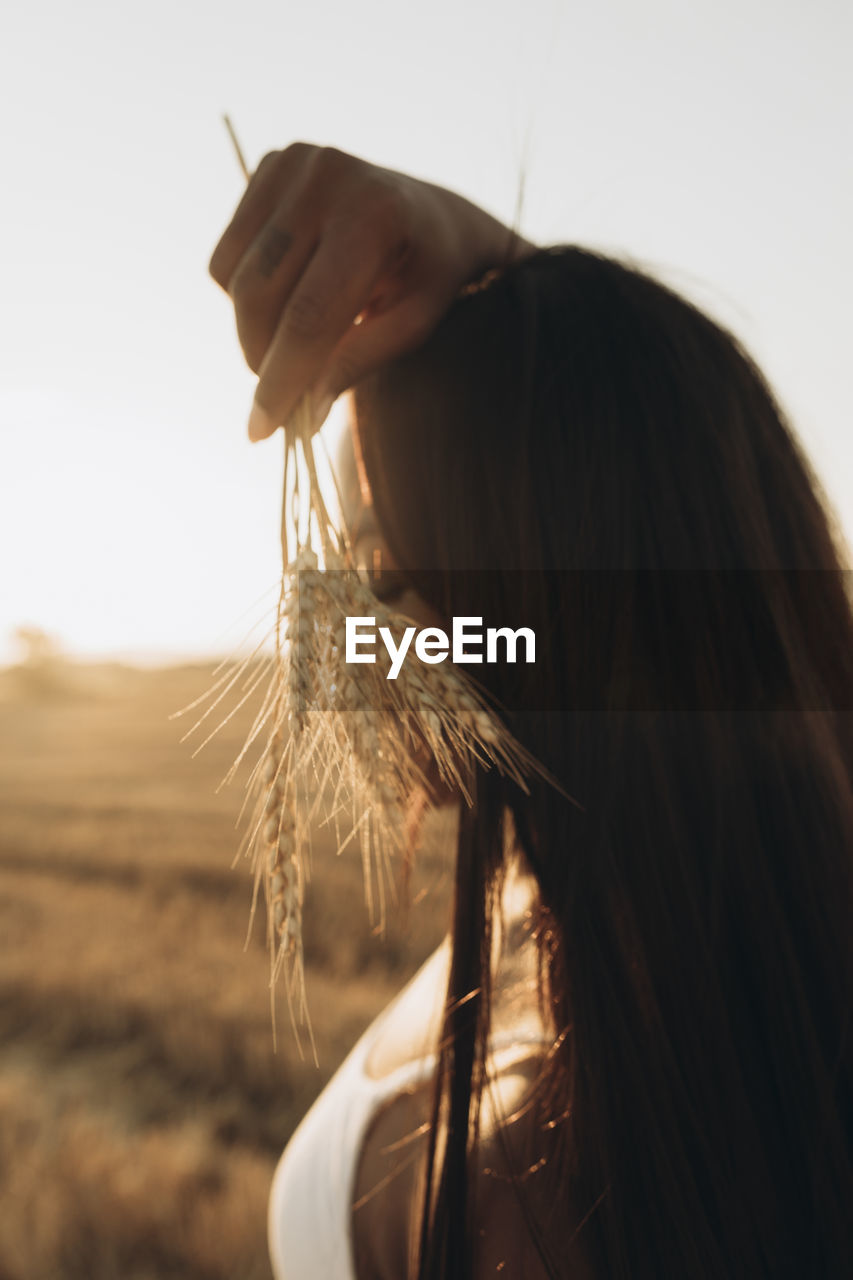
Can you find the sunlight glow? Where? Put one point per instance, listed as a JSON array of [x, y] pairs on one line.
[[135, 517]]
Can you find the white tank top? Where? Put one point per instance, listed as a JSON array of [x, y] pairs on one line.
[[313, 1189]]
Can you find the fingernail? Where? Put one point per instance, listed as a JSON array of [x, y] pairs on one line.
[[261, 424]]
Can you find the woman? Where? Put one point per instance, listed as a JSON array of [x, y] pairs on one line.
[[571, 445]]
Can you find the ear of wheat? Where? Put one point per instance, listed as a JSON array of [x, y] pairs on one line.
[[336, 742]]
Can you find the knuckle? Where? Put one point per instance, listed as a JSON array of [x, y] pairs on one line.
[[387, 216], [243, 287], [305, 317], [388, 201], [297, 152], [342, 245], [268, 161], [333, 158]]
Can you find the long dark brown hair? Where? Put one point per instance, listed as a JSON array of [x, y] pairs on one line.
[[579, 450]]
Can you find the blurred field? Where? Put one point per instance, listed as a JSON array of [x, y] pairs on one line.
[[142, 1108]]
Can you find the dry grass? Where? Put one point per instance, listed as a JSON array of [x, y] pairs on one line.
[[142, 1107]]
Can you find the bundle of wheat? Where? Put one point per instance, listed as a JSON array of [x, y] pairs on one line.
[[339, 742]]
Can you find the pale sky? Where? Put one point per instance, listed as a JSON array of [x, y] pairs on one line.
[[709, 139]]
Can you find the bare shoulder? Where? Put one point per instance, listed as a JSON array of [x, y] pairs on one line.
[[410, 1030], [386, 1185], [509, 1178], [510, 1184]]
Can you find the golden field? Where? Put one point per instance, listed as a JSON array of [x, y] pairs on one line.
[[142, 1104]]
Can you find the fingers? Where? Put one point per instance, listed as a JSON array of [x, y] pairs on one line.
[[364, 348], [336, 287], [271, 179], [266, 277], [321, 241]]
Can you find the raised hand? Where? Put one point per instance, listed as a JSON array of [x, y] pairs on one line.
[[335, 265]]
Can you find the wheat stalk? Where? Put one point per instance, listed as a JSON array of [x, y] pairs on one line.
[[338, 742]]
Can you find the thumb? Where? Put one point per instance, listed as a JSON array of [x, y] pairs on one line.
[[376, 341]]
